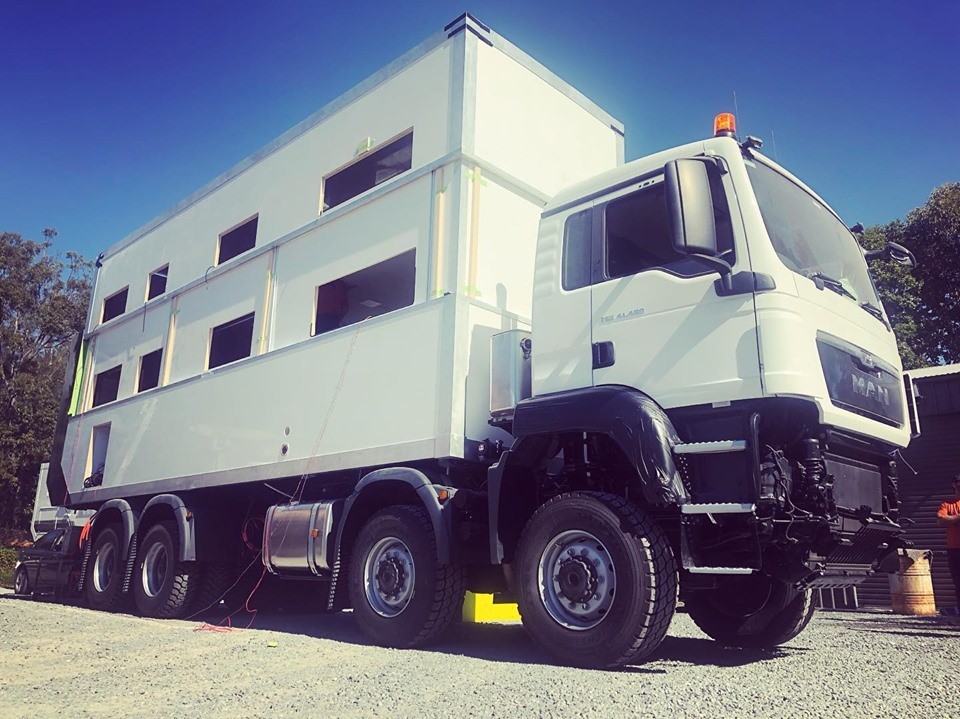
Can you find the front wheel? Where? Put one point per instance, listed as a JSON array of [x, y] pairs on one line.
[[597, 580], [752, 611], [21, 585], [401, 595]]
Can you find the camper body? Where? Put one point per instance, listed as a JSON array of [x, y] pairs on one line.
[[393, 355]]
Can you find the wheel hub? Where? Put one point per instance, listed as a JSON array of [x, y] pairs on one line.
[[577, 580], [391, 576]]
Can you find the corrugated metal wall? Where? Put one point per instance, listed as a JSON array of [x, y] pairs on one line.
[[935, 455]]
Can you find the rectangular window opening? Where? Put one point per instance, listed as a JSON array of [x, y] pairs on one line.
[[99, 444], [231, 341], [373, 168], [106, 386], [237, 241], [149, 370], [114, 305], [577, 238], [157, 283], [372, 291]]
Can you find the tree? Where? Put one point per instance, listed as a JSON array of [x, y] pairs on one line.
[[923, 303], [932, 232], [899, 290], [43, 302]]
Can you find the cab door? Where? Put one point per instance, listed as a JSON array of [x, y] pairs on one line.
[[661, 321]]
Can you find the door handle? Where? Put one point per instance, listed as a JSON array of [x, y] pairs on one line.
[[603, 355]]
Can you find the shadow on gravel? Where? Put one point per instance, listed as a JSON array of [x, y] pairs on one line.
[[510, 643], [929, 627]]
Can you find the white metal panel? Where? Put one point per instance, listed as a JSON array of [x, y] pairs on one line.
[[284, 187], [483, 324], [226, 297], [324, 390], [533, 131], [562, 358], [398, 221], [507, 236], [125, 342]]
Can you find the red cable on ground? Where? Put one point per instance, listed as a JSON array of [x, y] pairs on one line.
[[228, 627]]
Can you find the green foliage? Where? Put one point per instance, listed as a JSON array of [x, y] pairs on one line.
[[8, 558], [43, 302], [923, 304]]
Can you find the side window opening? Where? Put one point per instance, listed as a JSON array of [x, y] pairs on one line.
[[231, 341], [577, 239], [372, 291], [149, 376], [106, 386], [637, 234], [371, 169], [157, 282], [114, 305], [237, 241]]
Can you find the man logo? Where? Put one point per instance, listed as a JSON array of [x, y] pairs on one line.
[[866, 388]]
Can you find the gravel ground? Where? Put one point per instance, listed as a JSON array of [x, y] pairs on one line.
[[58, 659]]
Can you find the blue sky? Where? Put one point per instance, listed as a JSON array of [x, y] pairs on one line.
[[112, 112]]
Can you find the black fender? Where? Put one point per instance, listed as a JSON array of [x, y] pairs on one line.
[[184, 520], [633, 420], [425, 491]]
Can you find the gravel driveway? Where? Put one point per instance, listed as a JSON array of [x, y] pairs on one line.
[[61, 660]]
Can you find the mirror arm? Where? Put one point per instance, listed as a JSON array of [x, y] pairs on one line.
[[717, 264]]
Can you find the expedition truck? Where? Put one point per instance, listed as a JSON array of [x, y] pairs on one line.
[[439, 337]]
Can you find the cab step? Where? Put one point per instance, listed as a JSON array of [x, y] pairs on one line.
[[720, 570], [715, 447], [718, 508]]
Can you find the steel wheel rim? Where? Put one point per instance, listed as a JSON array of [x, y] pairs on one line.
[[389, 576], [154, 570], [103, 567], [577, 580]]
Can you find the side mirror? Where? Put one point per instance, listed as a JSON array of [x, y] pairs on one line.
[[690, 215], [893, 252]]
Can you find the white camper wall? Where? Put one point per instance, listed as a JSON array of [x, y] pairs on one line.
[[492, 137], [283, 187]]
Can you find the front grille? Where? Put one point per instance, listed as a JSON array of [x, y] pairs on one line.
[[860, 383]]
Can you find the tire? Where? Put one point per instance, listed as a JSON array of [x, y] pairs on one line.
[[21, 583], [104, 582], [215, 581], [402, 596], [752, 611], [163, 586], [613, 589]]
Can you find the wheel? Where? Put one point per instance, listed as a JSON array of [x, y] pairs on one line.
[[401, 596], [215, 582], [105, 572], [753, 611], [163, 586], [597, 580], [21, 585]]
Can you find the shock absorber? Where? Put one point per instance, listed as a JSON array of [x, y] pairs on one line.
[[816, 484]]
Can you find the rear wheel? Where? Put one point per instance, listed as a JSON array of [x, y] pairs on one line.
[[597, 580], [104, 580], [401, 595], [752, 611], [163, 586], [21, 585]]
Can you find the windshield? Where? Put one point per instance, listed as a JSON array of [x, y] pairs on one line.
[[808, 238]]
